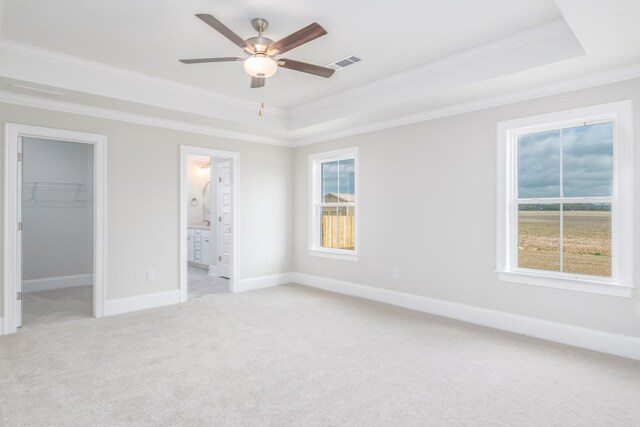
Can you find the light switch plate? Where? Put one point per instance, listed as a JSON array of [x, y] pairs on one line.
[[151, 275]]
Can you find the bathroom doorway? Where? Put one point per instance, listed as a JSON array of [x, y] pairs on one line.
[[208, 222]]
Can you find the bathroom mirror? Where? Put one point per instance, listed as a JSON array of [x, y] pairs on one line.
[[206, 197]]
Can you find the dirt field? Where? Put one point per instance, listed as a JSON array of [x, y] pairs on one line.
[[587, 241]]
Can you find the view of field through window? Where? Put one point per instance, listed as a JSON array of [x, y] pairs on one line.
[[338, 204], [565, 184], [586, 241]]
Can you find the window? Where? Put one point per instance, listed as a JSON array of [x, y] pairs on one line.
[[333, 220], [565, 200]]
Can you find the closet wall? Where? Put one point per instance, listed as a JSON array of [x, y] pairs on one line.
[[57, 209]]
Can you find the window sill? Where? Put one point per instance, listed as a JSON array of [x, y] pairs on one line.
[[341, 255], [594, 286]]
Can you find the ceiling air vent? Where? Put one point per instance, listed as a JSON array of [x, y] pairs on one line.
[[343, 63]]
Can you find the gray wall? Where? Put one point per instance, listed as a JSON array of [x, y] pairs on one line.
[[428, 207], [57, 236], [143, 199], [427, 200]]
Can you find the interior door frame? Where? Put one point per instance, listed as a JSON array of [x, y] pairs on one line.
[[234, 158], [12, 258]]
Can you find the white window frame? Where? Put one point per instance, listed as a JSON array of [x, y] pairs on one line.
[[315, 203], [621, 282]]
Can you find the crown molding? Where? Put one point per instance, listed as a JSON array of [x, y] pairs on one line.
[[51, 68], [514, 41], [534, 48], [54, 57], [597, 79], [140, 119], [316, 121], [62, 72]]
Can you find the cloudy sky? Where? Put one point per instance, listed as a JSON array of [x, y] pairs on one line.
[[338, 177], [587, 162]]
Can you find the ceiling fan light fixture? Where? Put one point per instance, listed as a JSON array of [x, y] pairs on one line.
[[262, 50], [260, 66]]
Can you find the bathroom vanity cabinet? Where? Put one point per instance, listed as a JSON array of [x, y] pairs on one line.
[[199, 246]]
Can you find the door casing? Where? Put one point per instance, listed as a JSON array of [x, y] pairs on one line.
[[12, 255], [234, 158]]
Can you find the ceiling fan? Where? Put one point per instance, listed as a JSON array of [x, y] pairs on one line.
[[263, 61]]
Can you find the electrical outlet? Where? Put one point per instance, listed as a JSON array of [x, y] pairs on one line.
[[268, 260], [395, 273], [151, 275]]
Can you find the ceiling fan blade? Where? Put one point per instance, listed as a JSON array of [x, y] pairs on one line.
[[223, 29], [203, 60], [300, 37], [305, 67], [257, 82]]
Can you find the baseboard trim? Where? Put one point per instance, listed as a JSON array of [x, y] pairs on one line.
[[592, 339], [61, 282], [141, 302], [264, 282]]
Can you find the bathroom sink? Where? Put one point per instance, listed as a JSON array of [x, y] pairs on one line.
[[201, 225]]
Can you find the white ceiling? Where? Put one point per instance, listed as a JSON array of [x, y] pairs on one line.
[[149, 36], [417, 56]]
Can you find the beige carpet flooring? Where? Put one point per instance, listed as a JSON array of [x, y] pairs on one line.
[[294, 356]]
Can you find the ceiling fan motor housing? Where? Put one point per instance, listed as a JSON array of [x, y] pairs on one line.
[[260, 44]]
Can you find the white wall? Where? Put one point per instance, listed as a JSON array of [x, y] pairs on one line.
[[427, 202], [57, 237], [143, 199]]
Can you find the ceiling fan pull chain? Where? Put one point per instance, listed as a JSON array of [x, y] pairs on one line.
[[260, 111]]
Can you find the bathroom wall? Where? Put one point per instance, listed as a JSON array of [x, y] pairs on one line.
[[202, 204], [57, 229], [196, 180]]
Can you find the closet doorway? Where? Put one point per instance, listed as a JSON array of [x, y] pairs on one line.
[[54, 201], [208, 222]]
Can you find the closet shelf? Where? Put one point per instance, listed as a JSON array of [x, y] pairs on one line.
[[54, 194]]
